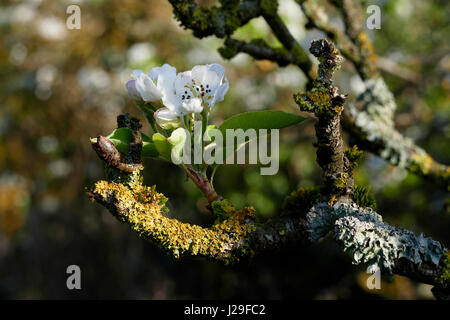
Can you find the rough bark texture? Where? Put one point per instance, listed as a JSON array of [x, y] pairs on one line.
[[309, 215], [327, 104]]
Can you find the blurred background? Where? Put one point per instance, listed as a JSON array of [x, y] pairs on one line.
[[59, 87]]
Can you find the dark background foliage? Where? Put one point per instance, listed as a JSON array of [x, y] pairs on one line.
[[58, 87]]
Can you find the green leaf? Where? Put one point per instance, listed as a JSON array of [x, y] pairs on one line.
[[121, 138], [148, 147], [266, 119], [163, 145]]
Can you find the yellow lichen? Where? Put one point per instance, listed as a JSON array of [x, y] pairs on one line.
[[353, 154], [140, 207], [341, 182], [320, 97], [332, 200], [367, 52], [422, 162]]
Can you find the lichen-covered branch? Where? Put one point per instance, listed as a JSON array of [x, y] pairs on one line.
[[377, 244], [370, 122], [327, 104], [237, 236], [220, 21], [259, 50], [359, 230], [364, 124], [309, 216]]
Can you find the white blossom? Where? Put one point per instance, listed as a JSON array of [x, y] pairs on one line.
[[149, 87], [183, 93], [193, 90]]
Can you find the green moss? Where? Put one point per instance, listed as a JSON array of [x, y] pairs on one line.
[[363, 198], [228, 51], [443, 281], [222, 209], [300, 201], [341, 182], [353, 154]]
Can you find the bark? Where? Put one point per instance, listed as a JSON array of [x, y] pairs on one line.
[[237, 235]]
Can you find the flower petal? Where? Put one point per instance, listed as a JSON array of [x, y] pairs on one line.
[[217, 68], [162, 74], [137, 73], [219, 95], [147, 88], [182, 84], [132, 92], [193, 105], [203, 75]]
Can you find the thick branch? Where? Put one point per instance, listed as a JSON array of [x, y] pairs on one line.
[[370, 122], [361, 231], [237, 237], [379, 245], [259, 50], [219, 21], [240, 236], [327, 104]]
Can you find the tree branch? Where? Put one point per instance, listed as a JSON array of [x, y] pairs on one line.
[[361, 231], [219, 21], [327, 104], [354, 20], [370, 120], [371, 128], [317, 18], [237, 235], [240, 237], [259, 50]]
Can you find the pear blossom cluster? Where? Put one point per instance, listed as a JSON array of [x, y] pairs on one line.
[[184, 93]]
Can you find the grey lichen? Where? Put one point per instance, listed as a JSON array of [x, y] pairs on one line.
[[369, 239], [374, 116], [373, 119], [320, 220]]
